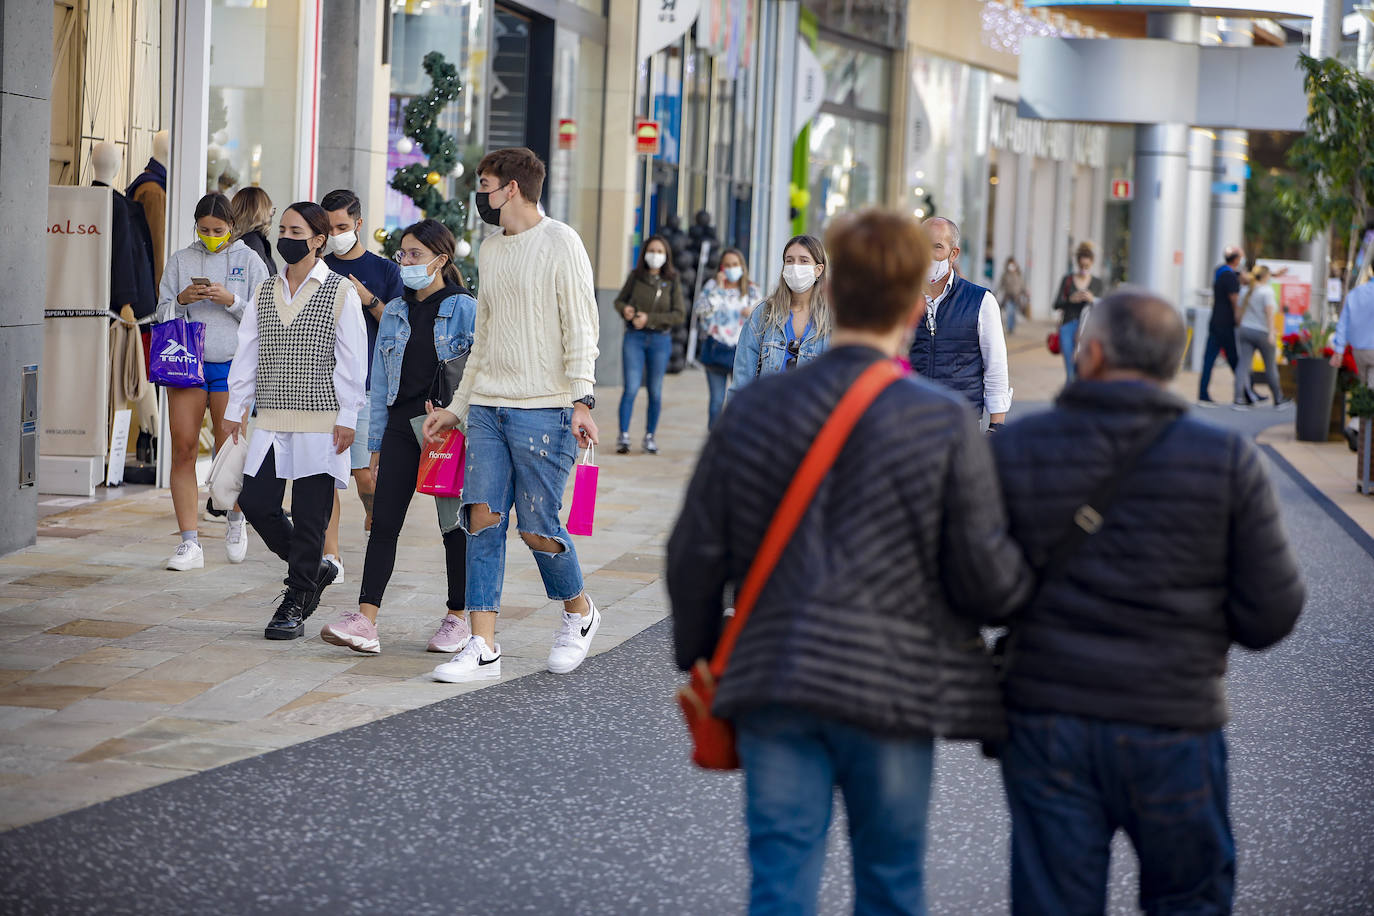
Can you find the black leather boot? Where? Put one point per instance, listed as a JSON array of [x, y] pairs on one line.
[[328, 573], [289, 620]]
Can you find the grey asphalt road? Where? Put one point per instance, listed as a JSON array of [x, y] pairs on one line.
[[574, 795]]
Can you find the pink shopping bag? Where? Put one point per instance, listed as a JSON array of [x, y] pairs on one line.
[[584, 495], [441, 466]]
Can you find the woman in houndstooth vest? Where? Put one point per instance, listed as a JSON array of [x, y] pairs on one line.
[[302, 357]]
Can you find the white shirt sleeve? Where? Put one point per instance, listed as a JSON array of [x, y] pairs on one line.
[[243, 372], [350, 359], [996, 382]]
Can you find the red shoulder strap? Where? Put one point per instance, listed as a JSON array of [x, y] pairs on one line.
[[795, 501]]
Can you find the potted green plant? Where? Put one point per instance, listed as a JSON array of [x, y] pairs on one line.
[[1309, 350]]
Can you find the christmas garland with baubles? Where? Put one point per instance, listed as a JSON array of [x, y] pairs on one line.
[[420, 181]]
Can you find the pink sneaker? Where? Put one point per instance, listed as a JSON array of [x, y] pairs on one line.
[[354, 631], [451, 636]]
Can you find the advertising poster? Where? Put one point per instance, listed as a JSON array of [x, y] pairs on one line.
[[76, 353], [1292, 282]]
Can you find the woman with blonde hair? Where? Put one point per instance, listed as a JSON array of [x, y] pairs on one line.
[[792, 326], [1255, 331], [722, 308], [253, 215]]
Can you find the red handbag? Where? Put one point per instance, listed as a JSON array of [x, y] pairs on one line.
[[1052, 341], [713, 738]]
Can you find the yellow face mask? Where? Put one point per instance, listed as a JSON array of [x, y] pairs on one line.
[[213, 242]]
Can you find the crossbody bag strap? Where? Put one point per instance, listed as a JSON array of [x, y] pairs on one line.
[[797, 499], [1089, 517]]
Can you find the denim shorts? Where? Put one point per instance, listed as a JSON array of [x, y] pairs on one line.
[[358, 455], [216, 377]]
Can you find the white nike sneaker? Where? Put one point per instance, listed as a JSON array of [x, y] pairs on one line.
[[338, 564], [188, 556], [475, 663], [236, 540], [573, 640]]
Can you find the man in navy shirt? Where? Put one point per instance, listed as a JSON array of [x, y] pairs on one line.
[[1221, 332], [378, 281]]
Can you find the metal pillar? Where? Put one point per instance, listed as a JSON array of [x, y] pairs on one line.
[[1021, 221], [1326, 41], [1199, 254], [1161, 181], [1232, 161]]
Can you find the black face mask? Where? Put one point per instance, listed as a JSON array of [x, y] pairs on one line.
[[292, 250], [490, 215]]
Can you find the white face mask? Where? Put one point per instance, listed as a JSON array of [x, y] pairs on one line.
[[655, 259], [799, 277], [938, 269], [343, 242]]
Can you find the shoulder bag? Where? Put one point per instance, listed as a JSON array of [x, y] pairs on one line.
[[713, 739]]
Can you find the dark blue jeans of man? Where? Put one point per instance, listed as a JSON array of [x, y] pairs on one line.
[[1217, 342], [1072, 782], [645, 356], [793, 759]]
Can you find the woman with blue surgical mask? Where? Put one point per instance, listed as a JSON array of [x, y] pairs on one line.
[[651, 304], [722, 308], [792, 326], [430, 324]]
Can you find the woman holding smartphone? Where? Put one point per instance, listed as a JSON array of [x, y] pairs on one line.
[[208, 282]]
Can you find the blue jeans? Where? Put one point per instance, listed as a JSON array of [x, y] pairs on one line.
[[1071, 782], [645, 357], [1217, 343], [717, 380], [792, 761], [1068, 338], [530, 453]]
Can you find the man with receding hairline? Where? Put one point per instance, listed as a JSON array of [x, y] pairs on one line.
[[960, 343], [1157, 543]]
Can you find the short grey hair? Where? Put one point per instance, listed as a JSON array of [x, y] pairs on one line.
[[1139, 331], [951, 224]]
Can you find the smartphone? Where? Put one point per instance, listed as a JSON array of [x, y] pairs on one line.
[[201, 281]]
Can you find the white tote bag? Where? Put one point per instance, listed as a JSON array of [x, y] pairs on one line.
[[226, 472]]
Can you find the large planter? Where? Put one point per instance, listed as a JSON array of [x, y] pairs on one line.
[[1364, 471], [1316, 396]]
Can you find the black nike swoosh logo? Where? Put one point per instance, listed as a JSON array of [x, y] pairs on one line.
[[486, 661], [587, 629]]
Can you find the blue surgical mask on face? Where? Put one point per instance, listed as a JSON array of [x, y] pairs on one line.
[[734, 273], [416, 276]]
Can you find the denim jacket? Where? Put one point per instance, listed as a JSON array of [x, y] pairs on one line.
[[453, 332], [771, 342]]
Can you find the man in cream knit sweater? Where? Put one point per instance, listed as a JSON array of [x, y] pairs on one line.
[[525, 402]]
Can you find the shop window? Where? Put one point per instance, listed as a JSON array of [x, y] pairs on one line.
[[848, 156]]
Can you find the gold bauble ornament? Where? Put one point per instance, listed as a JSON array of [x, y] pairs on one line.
[[380, 236], [434, 178]]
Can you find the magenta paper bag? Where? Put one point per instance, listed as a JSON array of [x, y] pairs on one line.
[[584, 495]]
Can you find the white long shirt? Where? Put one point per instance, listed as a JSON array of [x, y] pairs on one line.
[[996, 382], [303, 454]]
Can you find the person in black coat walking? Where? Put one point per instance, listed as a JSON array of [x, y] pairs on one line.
[[1115, 672], [253, 214], [864, 645]]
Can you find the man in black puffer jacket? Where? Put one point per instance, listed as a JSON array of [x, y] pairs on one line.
[[1114, 673], [864, 644]]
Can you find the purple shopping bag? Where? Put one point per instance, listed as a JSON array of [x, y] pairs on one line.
[[177, 355], [584, 495]]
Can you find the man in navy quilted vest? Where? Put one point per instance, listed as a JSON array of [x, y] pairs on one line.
[[960, 343]]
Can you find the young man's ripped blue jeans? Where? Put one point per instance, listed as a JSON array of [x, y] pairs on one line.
[[518, 459]]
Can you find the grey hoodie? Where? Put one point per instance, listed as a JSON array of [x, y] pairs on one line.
[[237, 267]]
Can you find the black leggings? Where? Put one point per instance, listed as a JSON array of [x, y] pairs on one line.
[[396, 474], [298, 540]]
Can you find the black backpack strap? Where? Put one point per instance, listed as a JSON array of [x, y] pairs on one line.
[[1089, 517]]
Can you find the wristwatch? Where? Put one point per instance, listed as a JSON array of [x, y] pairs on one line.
[[588, 400], [994, 427]]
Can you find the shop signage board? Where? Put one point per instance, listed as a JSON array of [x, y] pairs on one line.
[[662, 22], [76, 358], [810, 86], [1293, 282], [1121, 189], [647, 137]]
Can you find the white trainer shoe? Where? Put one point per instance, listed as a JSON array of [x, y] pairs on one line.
[[236, 540], [338, 564], [475, 663], [188, 556], [573, 640]]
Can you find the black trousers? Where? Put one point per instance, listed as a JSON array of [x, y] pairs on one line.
[[396, 476], [299, 540]]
